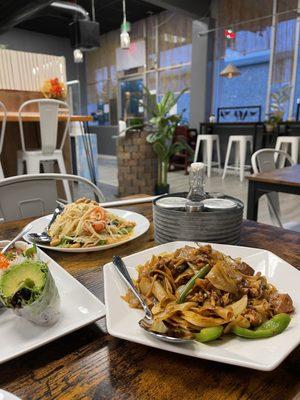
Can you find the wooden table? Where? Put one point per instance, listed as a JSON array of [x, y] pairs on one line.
[[90, 364], [285, 180], [12, 116]]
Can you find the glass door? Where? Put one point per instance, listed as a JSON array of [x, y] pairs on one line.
[[131, 100]]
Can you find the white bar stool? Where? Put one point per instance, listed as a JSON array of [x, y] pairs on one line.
[[208, 141], [240, 142], [2, 133], [282, 143], [49, 110]]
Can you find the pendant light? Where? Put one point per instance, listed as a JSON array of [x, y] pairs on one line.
[[125, 27], [230, 71], [78, 56]]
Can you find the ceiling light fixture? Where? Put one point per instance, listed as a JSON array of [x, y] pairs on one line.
[[125, 28], [230, 71]]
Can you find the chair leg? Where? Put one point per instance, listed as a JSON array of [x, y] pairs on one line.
[[227, 158], [218, 153], [284, 147], [32, 165], [209, 150], [20, 166], [277, 147], [204, 152], [62, 168], [243, 149], [295, 151], [1, 172], [197, 148], [237, 157]]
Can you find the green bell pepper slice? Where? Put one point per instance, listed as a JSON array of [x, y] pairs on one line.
[[270, 328], [209, 334], [188, 287]]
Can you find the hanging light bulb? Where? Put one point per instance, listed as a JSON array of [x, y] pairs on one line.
[[125, 28], [125, 40], [78, 56]]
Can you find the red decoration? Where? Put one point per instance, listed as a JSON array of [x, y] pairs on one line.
[[229, 33], [54, 89]]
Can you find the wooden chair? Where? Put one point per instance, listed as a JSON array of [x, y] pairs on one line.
[[181, 160]]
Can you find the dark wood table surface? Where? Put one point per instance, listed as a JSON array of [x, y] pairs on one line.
[[90, 364], [286, 180]]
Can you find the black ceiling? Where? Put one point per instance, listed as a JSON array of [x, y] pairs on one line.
[[108, 14]]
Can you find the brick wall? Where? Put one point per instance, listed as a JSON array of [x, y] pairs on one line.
[[137, 164]]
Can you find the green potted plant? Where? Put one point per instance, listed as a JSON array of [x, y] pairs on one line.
[[162, 128], [278, 102]]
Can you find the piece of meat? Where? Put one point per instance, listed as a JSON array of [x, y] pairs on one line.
[[282, 303], [253, 317], [245, 269]]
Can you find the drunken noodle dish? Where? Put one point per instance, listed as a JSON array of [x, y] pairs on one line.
[[86, 224], [200, 293]]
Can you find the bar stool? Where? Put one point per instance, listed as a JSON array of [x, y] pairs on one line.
[[49, 110], [4, 113], [240, 142], [208, 141], [282, 143]]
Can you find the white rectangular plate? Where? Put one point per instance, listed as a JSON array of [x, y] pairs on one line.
[[79, 307], [263, 354]]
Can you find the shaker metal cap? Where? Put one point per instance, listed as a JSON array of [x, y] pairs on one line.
[[218, 204], [172, 202]]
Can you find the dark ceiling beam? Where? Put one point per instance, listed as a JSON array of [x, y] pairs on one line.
[[107, 4], [11, 15], [193, 8]]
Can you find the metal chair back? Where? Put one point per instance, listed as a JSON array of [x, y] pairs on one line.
[[34, 195], [263, 160], [49, 111]]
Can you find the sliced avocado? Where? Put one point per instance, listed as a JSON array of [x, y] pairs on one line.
[[22, 283]]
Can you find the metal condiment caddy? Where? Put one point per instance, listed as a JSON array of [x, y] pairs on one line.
[[217, 226]]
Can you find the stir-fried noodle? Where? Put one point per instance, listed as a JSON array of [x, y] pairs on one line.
[[229, 294]]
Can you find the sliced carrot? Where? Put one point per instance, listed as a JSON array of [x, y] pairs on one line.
[[4, 263]]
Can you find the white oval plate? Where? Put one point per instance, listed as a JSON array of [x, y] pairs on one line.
[[4, 395], [142, 225]]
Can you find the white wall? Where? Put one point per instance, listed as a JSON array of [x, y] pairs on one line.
[[21, 39]]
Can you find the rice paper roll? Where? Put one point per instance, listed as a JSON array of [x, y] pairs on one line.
[[30, 291]]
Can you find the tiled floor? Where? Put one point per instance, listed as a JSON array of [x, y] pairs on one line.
[[290, 204]]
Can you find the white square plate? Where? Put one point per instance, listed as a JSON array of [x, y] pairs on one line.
[[79, 307], [263, 354]]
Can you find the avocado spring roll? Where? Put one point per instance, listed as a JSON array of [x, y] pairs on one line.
[[30, 291]]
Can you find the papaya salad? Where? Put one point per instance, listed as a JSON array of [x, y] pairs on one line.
[[200, 293], [85, 224]]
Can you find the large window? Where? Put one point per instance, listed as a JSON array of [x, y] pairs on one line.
[[252, 47], [248, 49], [168, 41]]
